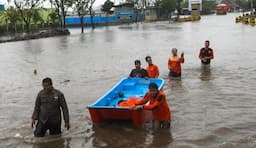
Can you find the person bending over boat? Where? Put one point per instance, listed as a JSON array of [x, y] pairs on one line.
[[152, 69], [174, 63], [47, 111], [206, 54], [138, 72], [158, 105]]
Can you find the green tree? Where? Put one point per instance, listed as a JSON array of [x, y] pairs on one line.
[[178, 7], [106, 7], [246, 4], [243, 4], [165, 7], [81, 8], [12, 18], [37, 18], [91, 12], [208, 6], [62, 6], [27, 10], [184, 4], [53, 17]]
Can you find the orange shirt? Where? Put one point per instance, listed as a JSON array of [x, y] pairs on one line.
[[158, 105], [153, 71], [174, 64]]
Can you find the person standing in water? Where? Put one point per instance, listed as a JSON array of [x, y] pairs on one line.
[[174, 63], [47, 110], [206, 54], [152, 69], [138, 72], [155, 100]]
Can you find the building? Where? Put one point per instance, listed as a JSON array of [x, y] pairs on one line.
[[127, 12], [150, 14], [124, 12], [195, 5]]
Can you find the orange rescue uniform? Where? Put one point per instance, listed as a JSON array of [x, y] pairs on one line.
[[153, 71], [174, 64], [158, 105]]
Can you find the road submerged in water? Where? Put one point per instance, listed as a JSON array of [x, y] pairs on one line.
[[212, 107]]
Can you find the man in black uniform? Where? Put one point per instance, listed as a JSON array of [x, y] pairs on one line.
[[138, 72], [206, 54], [47, 110]]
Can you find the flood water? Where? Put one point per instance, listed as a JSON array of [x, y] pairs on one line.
[[211, 107]]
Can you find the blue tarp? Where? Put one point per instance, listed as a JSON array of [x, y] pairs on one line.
[[75, 20]]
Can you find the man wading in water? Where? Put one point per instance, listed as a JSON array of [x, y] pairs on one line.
[[138, 72], [158, 105], [206, 54], [174, 63], [47, 110], [152, 69]]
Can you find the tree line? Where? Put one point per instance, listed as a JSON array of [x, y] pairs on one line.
[[28, 14], [25, 14], [246, 4]]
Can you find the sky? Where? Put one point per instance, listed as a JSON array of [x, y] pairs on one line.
[[96, 4]]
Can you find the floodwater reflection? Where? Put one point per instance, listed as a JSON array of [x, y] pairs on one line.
[[118, 134], [206, 73], [124, 134], [162, 138], [58, 143]]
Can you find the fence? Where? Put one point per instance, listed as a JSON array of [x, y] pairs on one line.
[[101, 19]]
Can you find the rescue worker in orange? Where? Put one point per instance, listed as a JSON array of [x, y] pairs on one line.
[[206, 54], [158, 105], [174, 63], [152, 69]]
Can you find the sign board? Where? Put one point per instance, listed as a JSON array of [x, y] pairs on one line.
[[195, 4]]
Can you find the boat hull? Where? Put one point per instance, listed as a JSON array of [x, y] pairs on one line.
[[138, 117], [107, 108]]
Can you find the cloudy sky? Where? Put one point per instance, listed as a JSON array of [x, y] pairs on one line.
[[97, 2]]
